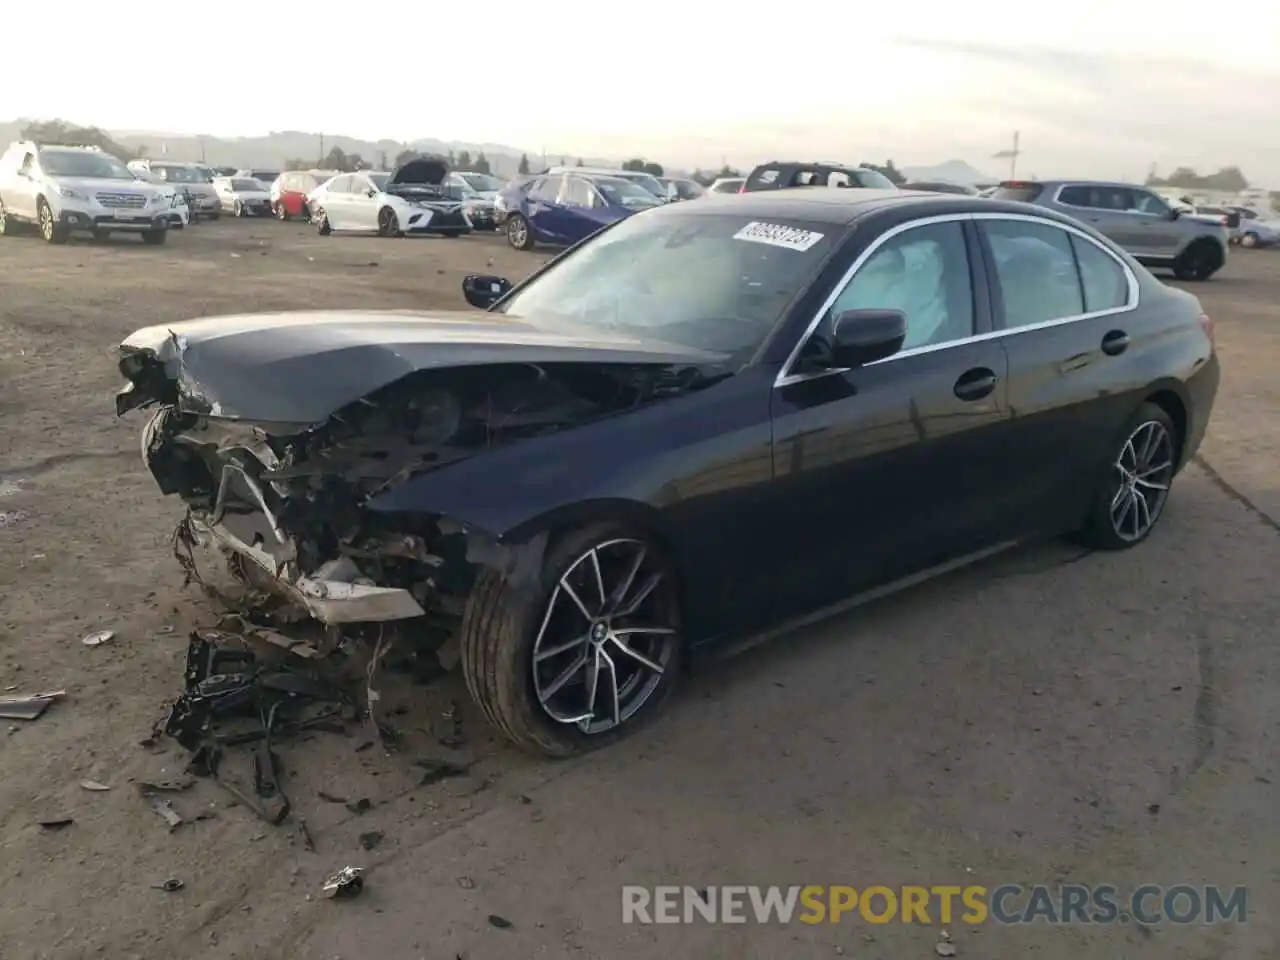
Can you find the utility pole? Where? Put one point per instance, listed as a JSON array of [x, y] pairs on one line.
[[1011, 156], [202, 148], [320, 162]]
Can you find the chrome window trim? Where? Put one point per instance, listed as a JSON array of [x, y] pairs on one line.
[[786, 378]]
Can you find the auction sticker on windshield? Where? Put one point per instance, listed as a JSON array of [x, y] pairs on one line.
[[777, 235]]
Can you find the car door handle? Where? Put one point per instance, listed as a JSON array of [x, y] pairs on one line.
[[1115, 343], [976, 383]]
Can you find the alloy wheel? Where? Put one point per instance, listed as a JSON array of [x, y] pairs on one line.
[[388, 224], [517, 232], [1145, 470], [1249, 240], [607, 637], [46, 223]]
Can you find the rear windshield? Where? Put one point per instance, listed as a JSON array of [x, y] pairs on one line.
[[1022, 192]]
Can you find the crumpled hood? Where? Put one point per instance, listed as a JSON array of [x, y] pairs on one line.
[[427, 169], [300, 367]]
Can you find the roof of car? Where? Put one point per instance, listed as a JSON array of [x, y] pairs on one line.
[[844, 205]]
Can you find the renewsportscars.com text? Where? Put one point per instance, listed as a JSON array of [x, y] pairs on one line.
[[939, 904]]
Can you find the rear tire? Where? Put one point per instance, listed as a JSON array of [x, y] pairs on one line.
[[1249, 240], [503, 627], [1133, 488], [282, 212], [8, 226], [321, 220], [1200, 261], [101, 235]]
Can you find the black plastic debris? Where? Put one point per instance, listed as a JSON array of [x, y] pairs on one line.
[[29, 707], [502, 923], [344, 884], [172, 885], [232, 699], [433, 771], [363, 805], [370, 839], [56, 823]]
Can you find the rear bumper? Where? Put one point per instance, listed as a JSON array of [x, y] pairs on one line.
[[1202, 388]]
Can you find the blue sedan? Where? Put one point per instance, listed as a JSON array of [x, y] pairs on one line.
[[562, 209]]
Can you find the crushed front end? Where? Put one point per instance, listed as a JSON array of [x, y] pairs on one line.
[[288, 503]]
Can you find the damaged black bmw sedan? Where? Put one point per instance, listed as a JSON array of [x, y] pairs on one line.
[[705, 423]]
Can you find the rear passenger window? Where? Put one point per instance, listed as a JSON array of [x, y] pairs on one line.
[[1105, 285], [1077, 197], [765, 178], [1036, 269]]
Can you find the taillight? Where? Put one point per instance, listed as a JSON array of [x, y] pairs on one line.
[[1206, 324], [743, 188], [1224, 221]]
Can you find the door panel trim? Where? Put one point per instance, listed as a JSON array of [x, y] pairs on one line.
[[786, 378]]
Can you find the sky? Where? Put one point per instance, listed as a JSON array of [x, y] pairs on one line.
[[1101, 89]]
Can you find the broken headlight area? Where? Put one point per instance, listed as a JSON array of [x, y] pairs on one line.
[[287, 504]]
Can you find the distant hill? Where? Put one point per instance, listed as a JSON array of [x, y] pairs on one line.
[[277, 148], [952, 171]]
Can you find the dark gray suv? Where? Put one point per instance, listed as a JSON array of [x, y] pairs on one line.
[[1136, 218]]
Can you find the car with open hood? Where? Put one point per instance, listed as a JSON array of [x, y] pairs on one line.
[[705, 423], [480, 193], [415, 198], [243, 196]]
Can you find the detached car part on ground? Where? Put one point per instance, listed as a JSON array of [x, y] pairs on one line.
[[710, 420], [415, 198]]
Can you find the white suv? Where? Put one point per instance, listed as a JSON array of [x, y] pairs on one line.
[[62, 189]]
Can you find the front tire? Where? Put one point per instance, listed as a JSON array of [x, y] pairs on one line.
[[282, 212], [50, 229], [321, 220], [585, 655], [1249, 240], [101, 235], [8, 226], [154, 237], [388, 223], [1131, 495], [519, 233]]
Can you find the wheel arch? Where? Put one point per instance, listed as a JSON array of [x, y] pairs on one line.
[[1170, 397], [542, 531], [1205, 242]]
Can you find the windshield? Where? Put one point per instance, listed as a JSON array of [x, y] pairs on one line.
[[623, 191], [650, 183], [874, 180], [727, 186], [180, 174], [83, 163], [248, 185], [717, 283], [481, 181]]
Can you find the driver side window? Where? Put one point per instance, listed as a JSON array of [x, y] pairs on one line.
[[1149, 203], [924, 272]]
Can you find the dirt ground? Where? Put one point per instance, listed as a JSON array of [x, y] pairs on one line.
[[1044, 717]]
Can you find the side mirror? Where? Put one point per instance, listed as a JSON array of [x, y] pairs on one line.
[[1174, 213], [860, 337], [483, 291], [371, 193]]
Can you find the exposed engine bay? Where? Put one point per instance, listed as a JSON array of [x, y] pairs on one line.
[[287, 503]]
